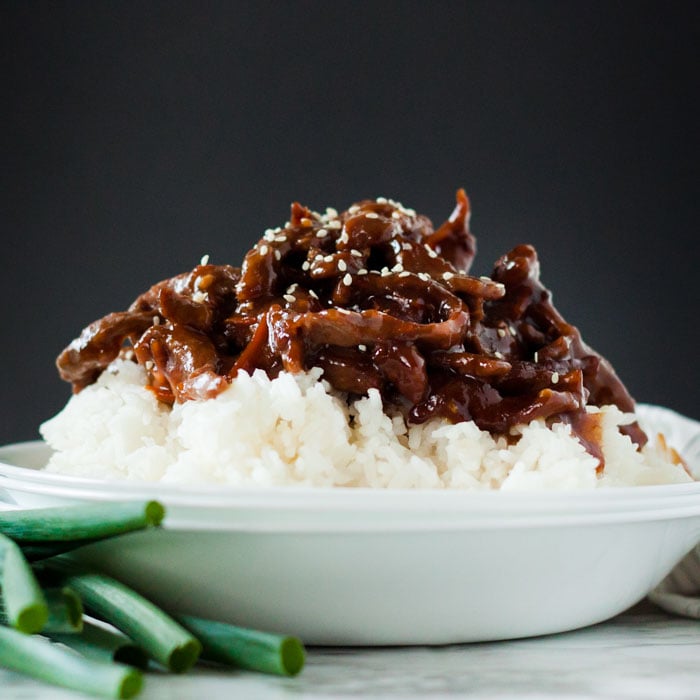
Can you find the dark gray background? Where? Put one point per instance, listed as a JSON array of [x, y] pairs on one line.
[[138, 136]]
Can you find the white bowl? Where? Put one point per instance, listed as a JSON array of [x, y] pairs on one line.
[[373, 567]]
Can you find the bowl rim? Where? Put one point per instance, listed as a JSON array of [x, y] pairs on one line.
[[298, 507], [303, 508]]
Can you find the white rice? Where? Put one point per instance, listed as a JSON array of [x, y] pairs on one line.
[[294, 430]]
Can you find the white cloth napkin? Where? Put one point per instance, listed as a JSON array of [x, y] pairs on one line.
[[679, 592]]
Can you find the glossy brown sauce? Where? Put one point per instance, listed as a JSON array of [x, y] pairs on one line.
[[378, 299]]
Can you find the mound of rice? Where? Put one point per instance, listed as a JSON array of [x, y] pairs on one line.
[[294, 430]]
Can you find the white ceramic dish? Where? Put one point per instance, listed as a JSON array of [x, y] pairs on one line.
[[364, 567]]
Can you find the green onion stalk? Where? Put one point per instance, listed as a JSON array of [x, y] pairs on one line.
[[65, 611], [46, 532], [39, 658], [24, 604], [104, 644], [246, 648], [161, 637]]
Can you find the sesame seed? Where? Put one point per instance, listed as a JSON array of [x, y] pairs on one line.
[[410, 212], [269, 234], [397, 268], [344, 238], [363, 271], [430, 251], [406, 246], [347, 280], [500, 287], [385, 272], [148, 364], [381, 200], [447, 275], [510, 264], [313, 294], [280, 239], [501, 333], [328, 258], [334, 224], [555, 377], [424, 276], [405, 273], [292, 288], [512, 330], [200, 297], [204, 260], [362, 348], [536, 356], [289, 297], [395, 215], [356, 253], [483, 278], [321, 233], [331, 213], [278, 255], [372, 215], [305, 265], [354, 209], [499, 355], [156, 321], [263, 250], [342, 265]]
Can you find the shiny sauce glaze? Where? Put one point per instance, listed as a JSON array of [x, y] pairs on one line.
[[377, 298]]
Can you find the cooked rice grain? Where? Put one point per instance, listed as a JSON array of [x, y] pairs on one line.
[[294, 431]]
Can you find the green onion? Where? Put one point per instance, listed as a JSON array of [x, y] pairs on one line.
[[154, 631], [24, 603], [246, 648], [82, 522], [35, 551], [39, 658], [97, 642], [65, 611]]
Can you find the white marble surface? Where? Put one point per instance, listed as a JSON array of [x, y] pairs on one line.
[[643, 654]]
